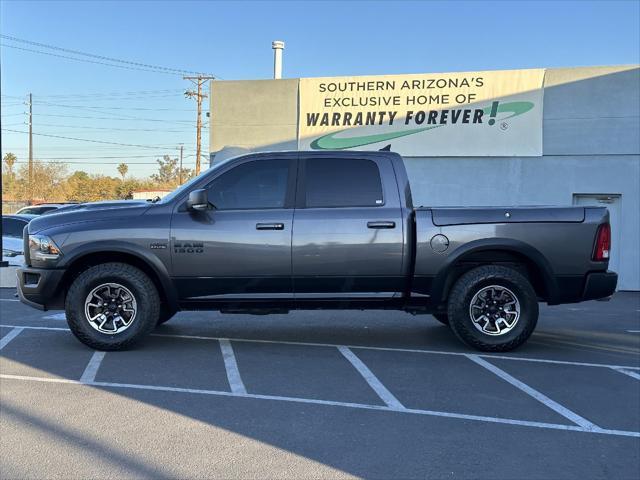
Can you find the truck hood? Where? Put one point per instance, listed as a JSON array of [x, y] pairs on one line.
[[89, 212]]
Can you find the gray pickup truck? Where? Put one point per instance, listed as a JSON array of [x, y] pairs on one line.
[[271, 232]]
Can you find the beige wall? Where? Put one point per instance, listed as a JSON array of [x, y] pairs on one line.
[[254, 114]]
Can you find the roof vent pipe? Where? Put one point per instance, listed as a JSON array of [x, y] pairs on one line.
[[277, 46]]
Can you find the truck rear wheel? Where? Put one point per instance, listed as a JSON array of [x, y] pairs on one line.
[[493, 308], [111, 306]]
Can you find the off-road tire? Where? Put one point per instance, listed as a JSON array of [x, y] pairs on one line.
[[136, 281], [472, 282], [443, 318]]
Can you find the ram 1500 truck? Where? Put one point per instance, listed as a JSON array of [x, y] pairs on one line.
[[271, 232]]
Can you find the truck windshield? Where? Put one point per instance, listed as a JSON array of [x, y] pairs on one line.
[[185, 187]]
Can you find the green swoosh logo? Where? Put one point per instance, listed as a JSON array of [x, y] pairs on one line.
[[515, 108], [330, 142]]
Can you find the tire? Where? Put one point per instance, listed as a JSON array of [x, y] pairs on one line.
[[443, 318], [491, 289], [109, 284]]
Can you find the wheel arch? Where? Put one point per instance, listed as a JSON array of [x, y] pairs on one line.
[[99, 254], [497, 251]]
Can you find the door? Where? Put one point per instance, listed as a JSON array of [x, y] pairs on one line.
[[348, 231], [613, 203], [240, 249]]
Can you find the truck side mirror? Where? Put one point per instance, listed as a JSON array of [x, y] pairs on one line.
[[198, 200]]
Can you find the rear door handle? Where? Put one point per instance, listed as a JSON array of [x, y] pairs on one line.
[[381, 224], [269, 226]]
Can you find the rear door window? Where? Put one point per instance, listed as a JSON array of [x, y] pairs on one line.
[[342, 182]]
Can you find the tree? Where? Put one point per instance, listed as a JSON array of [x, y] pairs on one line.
[[122, 170], [125, 190], [49, 182], [82, 187], [168, 175], [9, 161], [167, 170], [8, 175]]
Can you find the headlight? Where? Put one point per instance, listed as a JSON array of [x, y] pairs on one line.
[[42, 248]]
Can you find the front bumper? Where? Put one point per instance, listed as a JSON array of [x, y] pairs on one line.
[[599, 285], [40, 288]]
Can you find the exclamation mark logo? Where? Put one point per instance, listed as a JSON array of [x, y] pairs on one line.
[[494, 112]]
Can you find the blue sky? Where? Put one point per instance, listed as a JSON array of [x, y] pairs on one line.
[[233, 41]]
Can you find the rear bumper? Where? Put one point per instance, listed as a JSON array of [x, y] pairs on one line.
[[599, 285], [579, 288], [40, 288]]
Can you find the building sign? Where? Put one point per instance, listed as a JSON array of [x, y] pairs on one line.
[[496, 113]]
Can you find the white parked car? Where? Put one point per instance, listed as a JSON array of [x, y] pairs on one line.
[[12, 243], [42, 208]]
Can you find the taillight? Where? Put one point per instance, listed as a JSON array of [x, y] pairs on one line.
[[603, 243]]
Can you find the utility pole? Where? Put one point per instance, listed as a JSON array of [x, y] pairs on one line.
[[30, 148], [198, 81], [180, 171]]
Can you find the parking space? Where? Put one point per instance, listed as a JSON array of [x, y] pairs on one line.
[[580, 376]]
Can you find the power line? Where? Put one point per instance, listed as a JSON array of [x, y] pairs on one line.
[[96, 163], [172, 91], [84, 60], [137, 65], [115, 118], [141, 95], [114, 129], [89, 140], [83, 157], [62, 105], [97, 110]]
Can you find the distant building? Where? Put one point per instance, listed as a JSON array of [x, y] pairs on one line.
[[148, 194]]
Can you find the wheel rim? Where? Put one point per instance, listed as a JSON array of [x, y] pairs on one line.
[[110, 308], [494, 310]]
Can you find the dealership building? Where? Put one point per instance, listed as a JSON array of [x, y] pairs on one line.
[[554, 136]]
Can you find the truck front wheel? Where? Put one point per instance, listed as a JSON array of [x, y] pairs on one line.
[[111, 306], [493, 308]]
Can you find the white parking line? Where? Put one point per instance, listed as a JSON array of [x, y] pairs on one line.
[[56, 316], [231, 366], [385, 395], [542, 398], [405, 350], [364, 347], [628, 372], [90, 372], [29, 327], [432, 413], [9, 300], [10, 336]]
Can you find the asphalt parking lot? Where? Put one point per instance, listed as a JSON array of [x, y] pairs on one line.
[[336, 394]]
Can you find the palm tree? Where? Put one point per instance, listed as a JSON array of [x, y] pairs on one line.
[[122, 170]]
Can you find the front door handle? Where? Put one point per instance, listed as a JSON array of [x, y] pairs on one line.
[[269, 226], [381, 224]]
